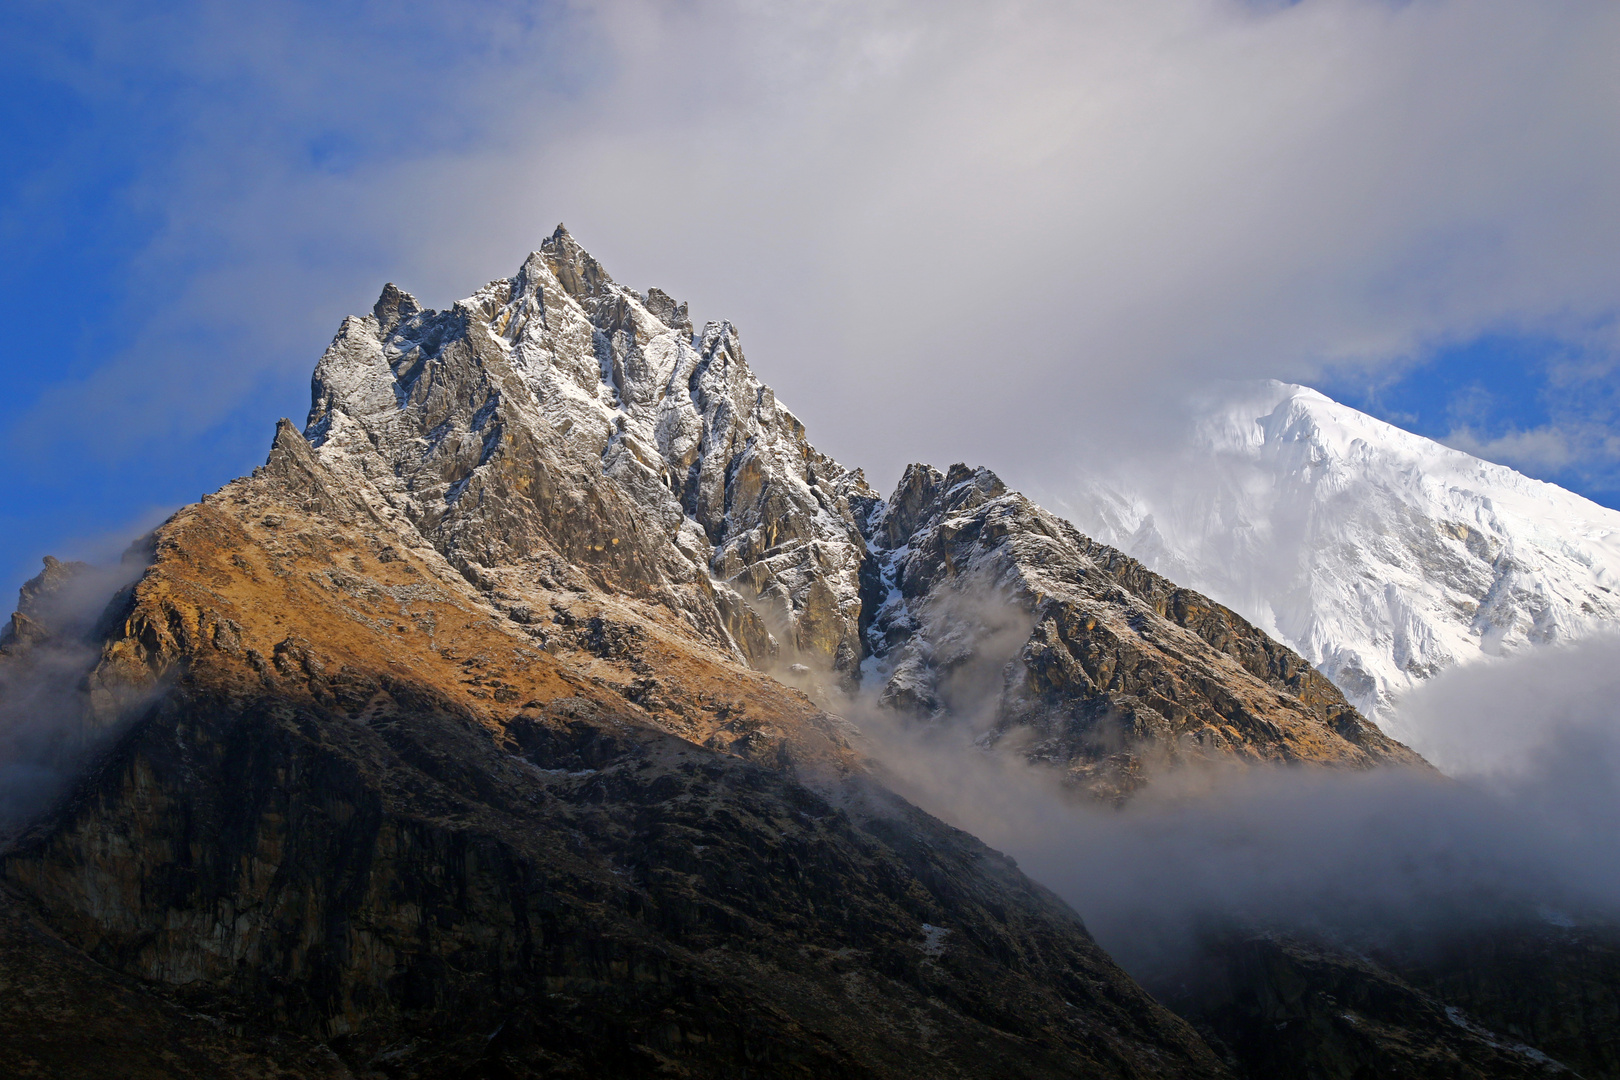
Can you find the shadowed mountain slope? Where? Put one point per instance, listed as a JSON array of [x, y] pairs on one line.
[[450, 740]]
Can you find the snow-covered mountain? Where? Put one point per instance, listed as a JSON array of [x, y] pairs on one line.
[[1381, 556]]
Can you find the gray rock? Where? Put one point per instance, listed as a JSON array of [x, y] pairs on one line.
[[987, 609], [557, 429]]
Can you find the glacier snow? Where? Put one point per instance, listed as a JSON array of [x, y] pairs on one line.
[[1381, 556]]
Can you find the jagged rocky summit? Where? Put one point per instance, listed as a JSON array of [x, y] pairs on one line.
[[557, 430], [558, 435], [448, 742]]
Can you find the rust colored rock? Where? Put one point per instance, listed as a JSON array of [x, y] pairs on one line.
[[375, 806]]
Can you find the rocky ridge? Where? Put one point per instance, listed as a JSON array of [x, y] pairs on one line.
[[987, 609], [558, 434], [557, 429], [361, 804]]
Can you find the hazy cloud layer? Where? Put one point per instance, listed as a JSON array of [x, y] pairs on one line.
[[1494, 719], [48, 723], [1527, 824], [947, 230]]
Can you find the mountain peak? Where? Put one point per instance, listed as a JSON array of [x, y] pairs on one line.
[[558, 430], [573, 266], [664, 465], [393, 307], [1382, 556]]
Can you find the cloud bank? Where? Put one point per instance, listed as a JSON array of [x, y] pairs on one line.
[[948, 230], [1526, 826]]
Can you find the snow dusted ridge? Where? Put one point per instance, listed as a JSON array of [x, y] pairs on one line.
[[559, 430], [990, 612], [579, 455], [1381, 556]]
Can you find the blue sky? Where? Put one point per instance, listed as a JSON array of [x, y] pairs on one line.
[[947, 230], [124, 399], [1547, 405]]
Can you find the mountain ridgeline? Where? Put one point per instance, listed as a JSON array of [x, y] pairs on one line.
[[557, 432], [451, 742]]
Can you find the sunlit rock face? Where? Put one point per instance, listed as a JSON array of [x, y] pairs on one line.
[[1380, 556], [557, 427], [558, 432]]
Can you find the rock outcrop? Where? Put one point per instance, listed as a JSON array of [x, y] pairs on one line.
[[558, 435], [449, 739], [557, 429], [986, 609]]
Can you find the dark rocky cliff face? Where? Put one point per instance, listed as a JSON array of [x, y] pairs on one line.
[[1281, 1005], [363, 818], [63, 1015]]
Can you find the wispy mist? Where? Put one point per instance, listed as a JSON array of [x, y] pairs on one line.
[[1526, 827], [1496, 719], [48, 722]]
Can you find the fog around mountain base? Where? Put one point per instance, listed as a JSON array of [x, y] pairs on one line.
[[1523, 822], [1525, 826], [48, 723]]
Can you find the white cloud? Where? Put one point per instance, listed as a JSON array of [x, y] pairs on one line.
[[1538, 451], [1504, 718], [948, 230], [1528, 822], [1022, 219]]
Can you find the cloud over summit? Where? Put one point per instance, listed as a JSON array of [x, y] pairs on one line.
[[948, 230]]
